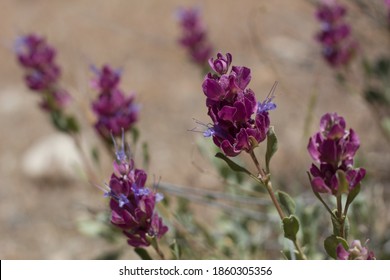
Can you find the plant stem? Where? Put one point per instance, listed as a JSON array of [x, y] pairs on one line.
[[340, 217], [157, 248], [265, 179], [262, 174], [88, 169]]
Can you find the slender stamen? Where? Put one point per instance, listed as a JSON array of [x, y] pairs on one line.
[[267, 104]]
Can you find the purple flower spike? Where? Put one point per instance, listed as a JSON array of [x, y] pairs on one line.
[[37, 57], [194, 36], [115, 111], [240, 123], [334, 148], [338, 48], [355, 252], [132, 204]]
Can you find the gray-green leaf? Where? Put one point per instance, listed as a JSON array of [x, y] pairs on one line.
[[272, 146], [291, 227]]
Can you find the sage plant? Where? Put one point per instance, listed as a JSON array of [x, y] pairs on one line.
[[43, 74], [333, 149], [240, 123]]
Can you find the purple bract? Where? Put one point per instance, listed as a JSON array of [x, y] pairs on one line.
[[338, 48], [114, 110], [334, 148], [239, 121], [355, 252], [133, 204], [42, 72], [194, 36]]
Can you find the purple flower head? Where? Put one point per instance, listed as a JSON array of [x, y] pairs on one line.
[[194, 35], [37, 57], [114, 110], [334, 148], [355, 252], [338, 48], [239, 122], [132, 203]]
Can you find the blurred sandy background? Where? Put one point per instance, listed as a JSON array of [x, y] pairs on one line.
[[273, 38]]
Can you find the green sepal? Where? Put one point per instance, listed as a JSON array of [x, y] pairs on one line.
[[142, 253], [234, 166], [287, 203], [272, 147], [336, 223], [331, 243], [290, 227], [64, 123], [343, 183]]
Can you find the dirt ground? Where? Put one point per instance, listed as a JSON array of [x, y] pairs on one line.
[[273, 38]]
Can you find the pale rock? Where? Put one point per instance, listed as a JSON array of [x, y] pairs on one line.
[[288, 48], [55, 158]]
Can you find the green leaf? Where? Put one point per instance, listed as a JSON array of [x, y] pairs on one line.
[[234, 166], [291, 227], [110, 255], [176, 250], [385, 124], [331, 243], [375, 96], [135, 135], [146, 155], [142, 253], [343, 183], [95, 155], [352, 194], [71, 124], [272, 146], [286, 202]]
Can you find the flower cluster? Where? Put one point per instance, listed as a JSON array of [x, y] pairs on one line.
[[194, 36], [355, 252], [334, 148], [338, 48], [115, 111], [133, 204], [387, 3], [42, 72], [239, 121]]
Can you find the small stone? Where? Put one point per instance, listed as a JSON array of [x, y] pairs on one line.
[[54, 158]]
